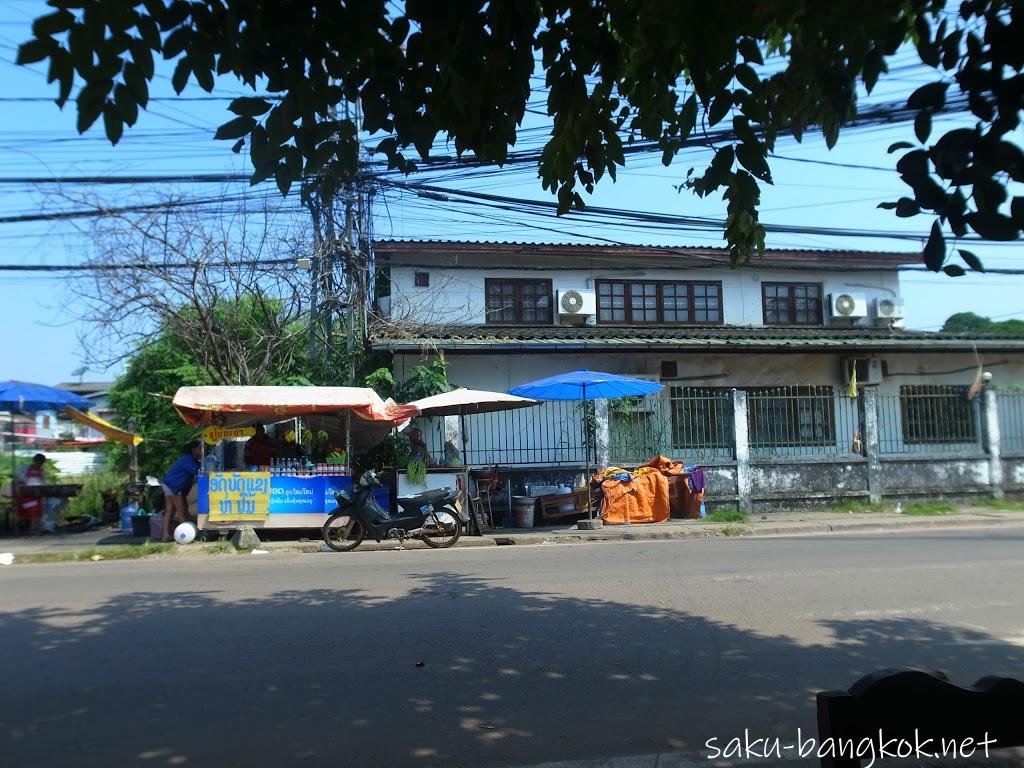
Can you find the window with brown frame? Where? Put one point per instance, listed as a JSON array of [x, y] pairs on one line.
[[516, 301], [791, 303], [659, 301]]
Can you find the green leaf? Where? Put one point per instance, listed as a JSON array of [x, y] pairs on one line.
[[886, 206], [747, 77], [176, 42], [914, 165], [989, 194], [35, 50], [899, 145], [53, 23], [204, 76], [249, 106], [112, 123], [971, 260], [142, 55], [283, 176], [905, 207], [180, 77], [935, 248], [136, 83], [874, 64], [923, 125], [237, 146], [235, 129], [992, 226], [1017, 211], [931, 96], [688, 117], [954, 270], [126, 104], [750, 50], [719, 107], [752, 157], [87, 114]]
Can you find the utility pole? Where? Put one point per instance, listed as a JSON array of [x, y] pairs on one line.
[[349, 250]]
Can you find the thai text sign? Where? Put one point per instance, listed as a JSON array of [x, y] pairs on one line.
[[213, 435], [238, 496]]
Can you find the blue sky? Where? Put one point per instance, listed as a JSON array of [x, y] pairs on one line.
[[39, 311]]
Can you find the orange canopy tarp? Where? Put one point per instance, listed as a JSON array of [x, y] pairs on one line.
[[642, 499], [229, 406]]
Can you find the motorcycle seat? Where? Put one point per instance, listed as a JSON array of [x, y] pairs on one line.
[[427, 497]]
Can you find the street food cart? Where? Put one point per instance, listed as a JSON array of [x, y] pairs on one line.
[[292, 493]]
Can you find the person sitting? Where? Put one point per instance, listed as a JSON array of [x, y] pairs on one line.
[[30, 508], [177, 483], [259, 449]]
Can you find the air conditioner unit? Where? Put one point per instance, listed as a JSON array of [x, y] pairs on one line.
[[889, 308], [847, 305], [577, 303], [869, 371]]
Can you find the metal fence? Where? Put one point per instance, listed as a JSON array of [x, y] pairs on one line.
[[698, 425], [929, 418], [690, 424], [548, 434], [803, 421], [1011, 421]]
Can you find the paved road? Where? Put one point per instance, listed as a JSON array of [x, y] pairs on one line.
[[529, 653]]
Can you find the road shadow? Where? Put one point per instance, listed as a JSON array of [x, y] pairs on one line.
[[456, 671]]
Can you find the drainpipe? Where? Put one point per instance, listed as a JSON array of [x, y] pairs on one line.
[[990, 404], [743, 478]]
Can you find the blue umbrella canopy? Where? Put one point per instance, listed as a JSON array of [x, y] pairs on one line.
[[23, 396], [585, 385]]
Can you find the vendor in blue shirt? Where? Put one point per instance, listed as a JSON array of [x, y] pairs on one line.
[[177, 483]]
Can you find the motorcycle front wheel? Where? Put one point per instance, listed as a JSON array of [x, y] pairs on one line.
[[441, 528], [342, 532]]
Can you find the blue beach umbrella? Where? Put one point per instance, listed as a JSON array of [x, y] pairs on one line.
[[586, 385], [22, 396]]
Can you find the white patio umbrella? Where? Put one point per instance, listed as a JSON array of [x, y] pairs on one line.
[[464, 402]]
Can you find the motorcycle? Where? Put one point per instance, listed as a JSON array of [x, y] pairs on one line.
[[433, 517]]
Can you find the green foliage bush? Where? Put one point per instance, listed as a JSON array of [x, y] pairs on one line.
[[89, 501]]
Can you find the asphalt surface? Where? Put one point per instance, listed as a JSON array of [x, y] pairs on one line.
[[484, 657]]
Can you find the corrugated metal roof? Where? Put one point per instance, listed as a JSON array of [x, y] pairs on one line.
[[403, 244], [472, 337]]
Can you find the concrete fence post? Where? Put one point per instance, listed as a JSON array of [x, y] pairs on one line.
[[871, 444], [990, 410], [602, 434], [743, 475]]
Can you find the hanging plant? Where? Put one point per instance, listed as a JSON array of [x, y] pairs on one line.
[[416, 472]]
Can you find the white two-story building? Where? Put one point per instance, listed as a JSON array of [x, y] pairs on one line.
[[756, 361]]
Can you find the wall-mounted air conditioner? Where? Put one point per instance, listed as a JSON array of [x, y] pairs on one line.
[[577, 303], [869, 370], [889, 308], [847, 305]]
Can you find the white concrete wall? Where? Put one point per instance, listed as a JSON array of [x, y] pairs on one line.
[[456, 296], [500, 371]]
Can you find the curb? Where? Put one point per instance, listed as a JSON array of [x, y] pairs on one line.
[[749, 531]]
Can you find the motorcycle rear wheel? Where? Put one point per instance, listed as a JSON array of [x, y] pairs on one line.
[[442, 528], [334, 533]]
